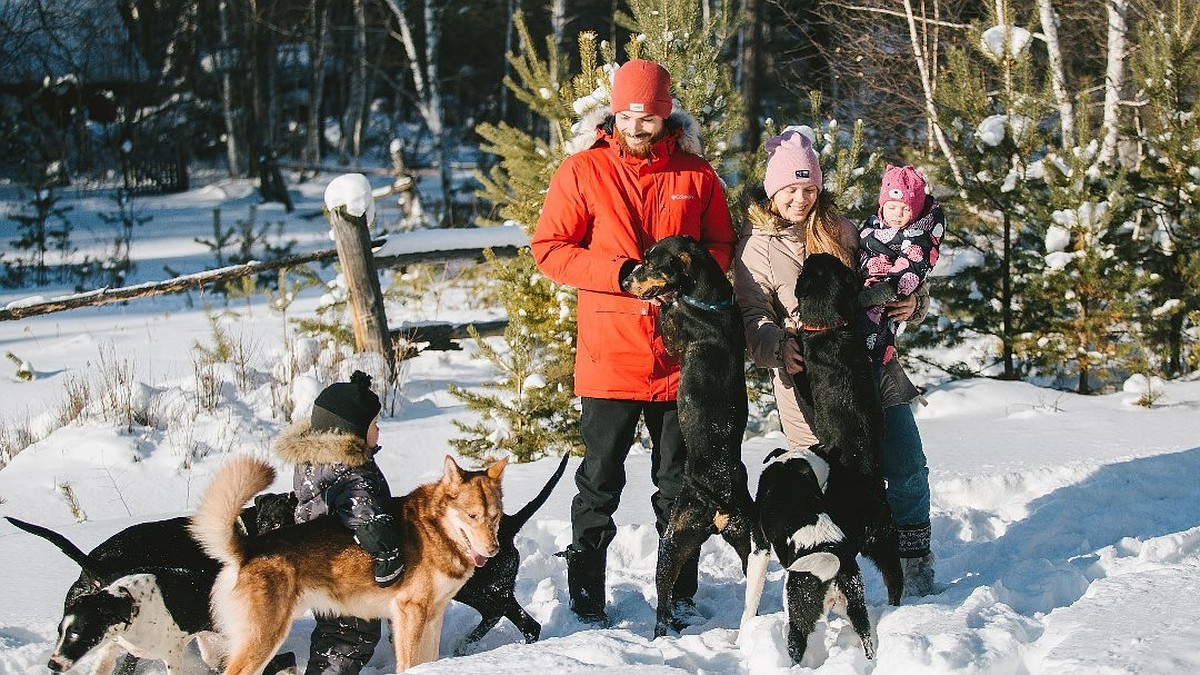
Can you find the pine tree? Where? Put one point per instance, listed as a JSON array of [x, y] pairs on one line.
[[1084, 298], [996, 111], [46, 227], [1167, 181], [531, 409], [691, 45]]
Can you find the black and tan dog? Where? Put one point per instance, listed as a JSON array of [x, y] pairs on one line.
[[702, 324], [822, 562]]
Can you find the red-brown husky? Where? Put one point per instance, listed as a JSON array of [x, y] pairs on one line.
[[449, 529]]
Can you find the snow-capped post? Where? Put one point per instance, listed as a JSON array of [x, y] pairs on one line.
[[351, 210]]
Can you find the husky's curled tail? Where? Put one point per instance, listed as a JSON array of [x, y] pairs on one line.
[[215, 523]]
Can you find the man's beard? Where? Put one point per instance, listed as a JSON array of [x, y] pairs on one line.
[[643, 151]]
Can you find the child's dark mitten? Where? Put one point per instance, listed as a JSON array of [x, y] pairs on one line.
[[876, 294], [381, 539]]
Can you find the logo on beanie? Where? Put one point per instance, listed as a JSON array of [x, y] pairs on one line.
[[801, 173], [637, 107]]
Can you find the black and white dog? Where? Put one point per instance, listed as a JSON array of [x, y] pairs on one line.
[[143, 591], [130, 615], [819, 560], [822, 506]]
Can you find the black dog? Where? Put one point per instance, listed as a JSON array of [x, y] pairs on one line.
[[848, 417], [703, 325], [157, 560], [848, 421], [490, 590]]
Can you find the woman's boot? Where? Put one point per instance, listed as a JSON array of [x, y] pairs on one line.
[[916, 559]]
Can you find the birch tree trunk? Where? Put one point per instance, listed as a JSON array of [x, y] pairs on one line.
[[1058, 79], [427, 82], [233, 151], [318, 46], [1114, 78], [351, 141], [923, 68], [436, 118], [558, 29]]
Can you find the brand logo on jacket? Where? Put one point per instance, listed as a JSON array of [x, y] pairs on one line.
[[682, 197]]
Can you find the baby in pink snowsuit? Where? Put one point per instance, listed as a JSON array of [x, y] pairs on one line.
[[898, 246]]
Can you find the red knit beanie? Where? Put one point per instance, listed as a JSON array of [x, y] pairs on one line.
[[642, 86], [903, 184]]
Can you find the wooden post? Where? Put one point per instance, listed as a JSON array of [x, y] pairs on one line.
[[351, 211]]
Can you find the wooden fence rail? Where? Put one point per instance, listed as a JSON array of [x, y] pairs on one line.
[[21, 309]]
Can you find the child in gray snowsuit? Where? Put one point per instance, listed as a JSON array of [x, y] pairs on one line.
[[334, 453]]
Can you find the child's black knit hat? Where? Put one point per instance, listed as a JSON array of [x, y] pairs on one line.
[[348, 407]]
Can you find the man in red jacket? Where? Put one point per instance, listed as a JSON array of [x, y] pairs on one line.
[[642, 179]]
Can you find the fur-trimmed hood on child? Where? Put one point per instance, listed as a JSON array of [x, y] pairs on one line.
[[333, 468]]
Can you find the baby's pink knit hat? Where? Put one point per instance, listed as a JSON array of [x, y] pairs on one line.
[[791, 159], [903, 184]]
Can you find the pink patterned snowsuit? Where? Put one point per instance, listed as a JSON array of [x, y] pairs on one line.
[[893, 262]]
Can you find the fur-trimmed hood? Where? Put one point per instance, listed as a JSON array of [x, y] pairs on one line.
[[594, 129], [762, 220], [299, 444]]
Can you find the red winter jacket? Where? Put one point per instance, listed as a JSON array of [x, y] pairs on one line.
[[603, 208]]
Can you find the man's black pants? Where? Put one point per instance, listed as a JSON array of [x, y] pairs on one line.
[[608, 427]]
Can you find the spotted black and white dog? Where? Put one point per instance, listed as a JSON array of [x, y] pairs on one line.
[[130, 615], [152, 576], [820, 560]]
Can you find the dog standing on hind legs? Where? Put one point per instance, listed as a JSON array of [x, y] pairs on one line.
[[822, 506], [702, 324], [449, 529]]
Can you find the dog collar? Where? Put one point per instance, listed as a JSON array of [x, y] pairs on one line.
[[817, 329], [700, 304]]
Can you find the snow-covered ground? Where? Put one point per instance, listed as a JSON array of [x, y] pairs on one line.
[[1066, 528]]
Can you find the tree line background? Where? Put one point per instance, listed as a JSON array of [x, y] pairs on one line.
[[1060, 135]]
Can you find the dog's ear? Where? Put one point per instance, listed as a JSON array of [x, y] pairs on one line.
[[496, 470], [452, 474]]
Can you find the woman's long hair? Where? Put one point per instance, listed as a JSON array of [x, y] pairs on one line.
[[820, 228]]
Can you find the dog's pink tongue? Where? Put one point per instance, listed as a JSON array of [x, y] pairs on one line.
[[480, 560]]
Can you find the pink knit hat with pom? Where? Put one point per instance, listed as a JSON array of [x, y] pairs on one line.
[[642, 86], [903, 184], [791, 159]]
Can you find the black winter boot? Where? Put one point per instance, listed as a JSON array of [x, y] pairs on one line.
[[585, 581], [916, 559]]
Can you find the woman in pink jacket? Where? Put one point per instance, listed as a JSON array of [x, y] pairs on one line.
[[797, 219]]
